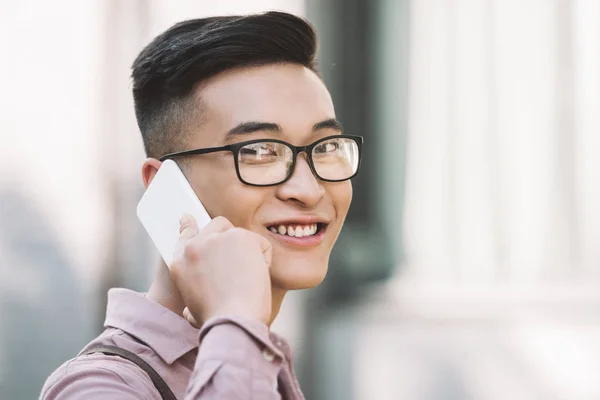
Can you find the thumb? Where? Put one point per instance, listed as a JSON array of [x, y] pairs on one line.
[[266, 248], [188, 228]]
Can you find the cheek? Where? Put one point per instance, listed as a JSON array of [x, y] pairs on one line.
[[341, 197], [222, 194], [239, 204]]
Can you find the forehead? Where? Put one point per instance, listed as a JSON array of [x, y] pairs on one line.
[[289, 95]]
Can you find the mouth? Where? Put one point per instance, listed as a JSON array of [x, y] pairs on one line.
[[299, 232]]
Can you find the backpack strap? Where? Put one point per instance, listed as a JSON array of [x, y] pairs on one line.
[[159, 383]]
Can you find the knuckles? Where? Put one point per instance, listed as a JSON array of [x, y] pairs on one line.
[[195, 249], [177, 267], [192, 251], [240, 235], [222, 222]]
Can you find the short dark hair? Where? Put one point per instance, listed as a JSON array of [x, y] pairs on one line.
[[166, 73]]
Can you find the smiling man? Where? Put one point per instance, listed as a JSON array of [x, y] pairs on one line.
[[238, 104]]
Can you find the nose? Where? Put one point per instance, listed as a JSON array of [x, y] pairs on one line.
[[303, 187]]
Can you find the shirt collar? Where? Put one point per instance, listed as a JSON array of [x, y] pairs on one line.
[[168, 334]]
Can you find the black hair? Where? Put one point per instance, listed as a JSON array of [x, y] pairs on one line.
[[167, 72]]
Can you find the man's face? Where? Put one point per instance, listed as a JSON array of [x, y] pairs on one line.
[[294, 98]]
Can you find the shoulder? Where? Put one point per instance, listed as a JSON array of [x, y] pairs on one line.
[[98, 376]]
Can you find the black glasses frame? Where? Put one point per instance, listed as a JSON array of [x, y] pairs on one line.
[[236, 147]]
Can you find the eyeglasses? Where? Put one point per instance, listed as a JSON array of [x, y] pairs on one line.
[[269, 162]]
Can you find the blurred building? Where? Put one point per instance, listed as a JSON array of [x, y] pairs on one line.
[[469, 265]]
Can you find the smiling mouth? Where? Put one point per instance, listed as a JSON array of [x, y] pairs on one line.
[[298, 230]]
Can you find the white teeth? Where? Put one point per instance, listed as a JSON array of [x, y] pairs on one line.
[[296, 230]]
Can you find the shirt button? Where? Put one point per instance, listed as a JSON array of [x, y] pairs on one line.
[[268, 354]]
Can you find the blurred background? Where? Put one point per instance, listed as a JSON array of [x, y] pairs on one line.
[[469, 267]]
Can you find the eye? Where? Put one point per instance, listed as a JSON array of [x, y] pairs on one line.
[[261, 153], [266, 150], [259, 150], [327, 147]]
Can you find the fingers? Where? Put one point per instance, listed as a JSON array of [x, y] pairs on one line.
[[217, 225], [188, 228], [265, 247], [190, 318], [248, 236]]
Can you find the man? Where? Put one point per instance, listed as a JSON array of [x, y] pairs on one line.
[[276, 174]]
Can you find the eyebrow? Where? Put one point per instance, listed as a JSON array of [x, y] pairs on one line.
[[330, 123], [250, 127], [246, 128]]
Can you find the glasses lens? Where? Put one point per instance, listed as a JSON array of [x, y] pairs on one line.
[[336, 159], [264, 163]]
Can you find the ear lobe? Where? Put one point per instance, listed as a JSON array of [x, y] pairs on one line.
[[149, 170]]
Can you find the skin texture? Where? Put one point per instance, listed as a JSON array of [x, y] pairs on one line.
[[296, 99]]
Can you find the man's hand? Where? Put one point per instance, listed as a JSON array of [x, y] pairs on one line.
[[222, 270]]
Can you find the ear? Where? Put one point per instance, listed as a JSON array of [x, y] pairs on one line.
[[149, 170]]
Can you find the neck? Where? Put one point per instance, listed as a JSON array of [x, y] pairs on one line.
[[164, 291], [277, 296]]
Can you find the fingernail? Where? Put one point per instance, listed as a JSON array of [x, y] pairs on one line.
[[183, 219]]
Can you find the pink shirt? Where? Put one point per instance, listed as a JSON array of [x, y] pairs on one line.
[[228, 358]]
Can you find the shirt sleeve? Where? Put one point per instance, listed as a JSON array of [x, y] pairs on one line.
[[236, 360], [96, 377]]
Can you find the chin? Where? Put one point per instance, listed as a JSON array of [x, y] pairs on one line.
[[297, 274]]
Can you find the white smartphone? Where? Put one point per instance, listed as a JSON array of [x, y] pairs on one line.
[[166, 199]]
